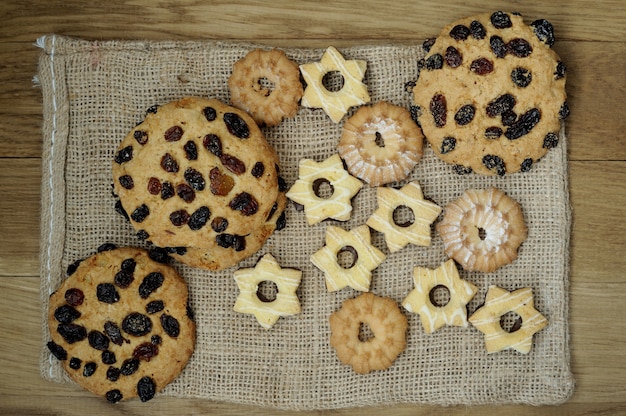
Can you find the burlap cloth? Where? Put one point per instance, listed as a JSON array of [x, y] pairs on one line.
[[95, 92]]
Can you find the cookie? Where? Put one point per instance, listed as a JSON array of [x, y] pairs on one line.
[[335, 103], [381, 143], [385, 321], [266, 84], [490, 95], [499, 302], [121, 324], [483, 229]]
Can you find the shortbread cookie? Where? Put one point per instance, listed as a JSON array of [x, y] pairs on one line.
[[387, 324], [483, 229], [498, 303], [121, 324], [364, 258], [269, 103], [192, 161], [306, 191], [421, 299], [398, 233], [267, 311], [491, 93], [381, 143], [335, 103]]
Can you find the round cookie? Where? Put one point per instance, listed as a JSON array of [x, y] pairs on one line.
[[189, 163], [121, 325], [490, 95]]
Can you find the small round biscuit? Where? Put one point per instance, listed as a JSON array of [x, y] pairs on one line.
[[121, 324]]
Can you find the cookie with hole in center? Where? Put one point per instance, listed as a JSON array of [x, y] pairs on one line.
[[490, 95]]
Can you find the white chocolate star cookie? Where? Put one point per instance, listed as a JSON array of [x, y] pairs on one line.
[[419, 300], [365, 258], [497, 303], [334, 103], [399, 235], [343, 186], [286, 281]]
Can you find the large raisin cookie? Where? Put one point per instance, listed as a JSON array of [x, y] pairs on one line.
[[490, 95], [121, 325], [194, 172]]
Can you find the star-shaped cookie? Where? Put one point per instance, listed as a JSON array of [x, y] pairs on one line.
[[343, 186], [365, 258], [397, 235], [497, 303], [334, 103], [268, 270], [454, 312]]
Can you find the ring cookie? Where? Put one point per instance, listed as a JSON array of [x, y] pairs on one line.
[[483, 229], [387, 324], [120, 324], [491, 95], [267, 104]]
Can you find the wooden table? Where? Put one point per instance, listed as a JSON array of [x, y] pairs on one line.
[[591, 39]]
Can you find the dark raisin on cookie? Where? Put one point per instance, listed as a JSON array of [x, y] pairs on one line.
[[526, 165], [199, 218], [72, 333], [108, 357], [136, 324], [550, 141], [209, 113], [120, 210], [98, 340], [106, 293], [219, 224], [141, 136], [66, 314], [159, 254], [498, 47], [191, 150], [213, 144], [462, 170], [169, 164], [508, 117], [124, 155], [244, 203], [71, 269], [281, 222], [167, 191], [460, 32], [185, 192], [106, 247], [75, 363], [481, 66], [143, 235], [150, 283], [126, 181], [257, 169], [123, 279], [544, 31], [236, 242], [233, 164], [89, 369], [236, 125], [74, 297], [564, 111], [113, 332], [145, 351], [501, 20], [113, 374], [493, 162], [519, 47], [173, 134], [428, 43], [524, 124], [477, 30], [114, 396], [156, 339], [448, 145], [501, 104], [146, 388], [493, 132], [154, 307], [560, 70], [129, 366], [57, 351], [179, 218], [170, 325], [521, 77], [195, 179], [438, 108], [465, 115], [434, 62], [453, 57], [153, 109], [140, 213], [282, 184], [154, 186]]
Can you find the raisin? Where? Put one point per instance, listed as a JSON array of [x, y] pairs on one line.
[[281, 222], [170, 325], [173, 134], [544, 31], [185, 192], [152, 109], [89, 369], [126, 181], [66, 314], [219, 224], [156, 339], [415, 111], [282, 184], [509, 117], [447, 145], [191, 151], [98, 340], [150, 283], [564, 111], [142, 235], [482, 66], [438, 108], [213, 144], [124, 155], [169, 164], [459, 32], [120, 210], [74, 297], [526, 165], [501, 20], [195, 179], [128, 265], [140, 213], [137, 324], [179, 218], [501, 104], [236, 125], [155, 306], [453, 57], [493, 132], [258, 169], [113, 332], [107, 293], [106, 247], [72, 333], [434, 62], [141, 136], [523, 125], [521, 77], [492, 162], [113, 374], [160, 255], [560, 70], [114, 396], [477, 30], [108, 357], [181, 251], [220, 184], [167, 191], [519, 47], [57, 350], [71, 269], [272, 211], [145, 351], [209, 113], [233, 164], [550, 141], [498, 47], [75, 363], [428, 43], [146, 388], [123, 279], [199, 218], [236, 242], [244, 203], [462, 170], [465, 115]]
